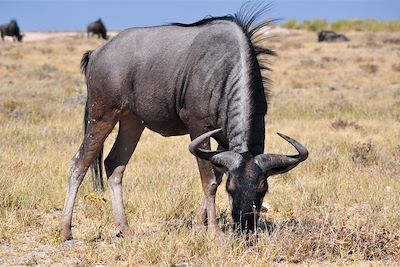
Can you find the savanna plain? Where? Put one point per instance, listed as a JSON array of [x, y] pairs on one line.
[[339, 207]]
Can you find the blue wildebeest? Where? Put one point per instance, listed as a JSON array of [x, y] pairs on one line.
[[331, 36], [11, 29], [201, 79], [98, 28]]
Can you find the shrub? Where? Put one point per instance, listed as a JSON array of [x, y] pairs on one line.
[[315, 25], [291, 24]]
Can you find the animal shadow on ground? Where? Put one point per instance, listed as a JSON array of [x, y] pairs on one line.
[[264, 225]]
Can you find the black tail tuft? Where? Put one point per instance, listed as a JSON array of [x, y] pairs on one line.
[[97, 164], [85, 61], [97, 173]]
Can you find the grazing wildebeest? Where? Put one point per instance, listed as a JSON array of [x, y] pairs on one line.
[[98, 28], [11, 29], [331, 36], [201, 79]]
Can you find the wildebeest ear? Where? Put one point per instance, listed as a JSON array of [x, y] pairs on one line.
[[272, 164]]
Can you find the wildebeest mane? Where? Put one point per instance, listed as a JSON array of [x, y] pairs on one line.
[[247, 18]]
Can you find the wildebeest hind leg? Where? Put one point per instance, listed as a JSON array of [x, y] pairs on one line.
[[96, 132], [130, 130]]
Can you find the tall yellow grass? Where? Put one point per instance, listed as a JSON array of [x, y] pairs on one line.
[[341, 206]]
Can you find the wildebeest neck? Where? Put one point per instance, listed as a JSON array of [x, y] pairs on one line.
[[243, 116], [222, 70]]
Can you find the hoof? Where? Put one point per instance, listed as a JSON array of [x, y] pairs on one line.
[[65, 236]]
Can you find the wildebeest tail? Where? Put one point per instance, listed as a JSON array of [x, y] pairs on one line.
[[85, 61], [97, 165], [97, 172]]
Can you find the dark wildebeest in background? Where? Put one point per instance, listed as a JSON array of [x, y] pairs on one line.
[[201, 79], [331, 36], [98, 28], [11, 29]]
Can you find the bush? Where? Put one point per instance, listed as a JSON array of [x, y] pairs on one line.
[[315, 25], [291, 24]]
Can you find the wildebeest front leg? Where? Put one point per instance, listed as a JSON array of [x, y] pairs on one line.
[[210, 180], [201, 214], [130, 130], [96, 133]]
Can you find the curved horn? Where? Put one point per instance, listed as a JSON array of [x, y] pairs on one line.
[[228, 159], [274, 163]]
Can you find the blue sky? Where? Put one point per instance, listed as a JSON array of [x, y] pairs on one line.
[[121, 14]]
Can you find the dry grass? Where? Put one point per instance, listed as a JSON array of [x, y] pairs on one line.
[[370, 25], [340, 207]]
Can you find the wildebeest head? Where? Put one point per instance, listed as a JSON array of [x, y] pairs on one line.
[[19, 37], [247, 176], [102, 29]]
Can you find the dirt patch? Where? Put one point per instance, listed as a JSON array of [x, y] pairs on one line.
[[364, 154], [392, 41], [343, 124], [369, 68]]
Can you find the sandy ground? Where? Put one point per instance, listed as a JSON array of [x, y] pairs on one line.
[[42, 36]]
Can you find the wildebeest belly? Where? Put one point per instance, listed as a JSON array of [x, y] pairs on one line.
[[166, 128], [159, 114]]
